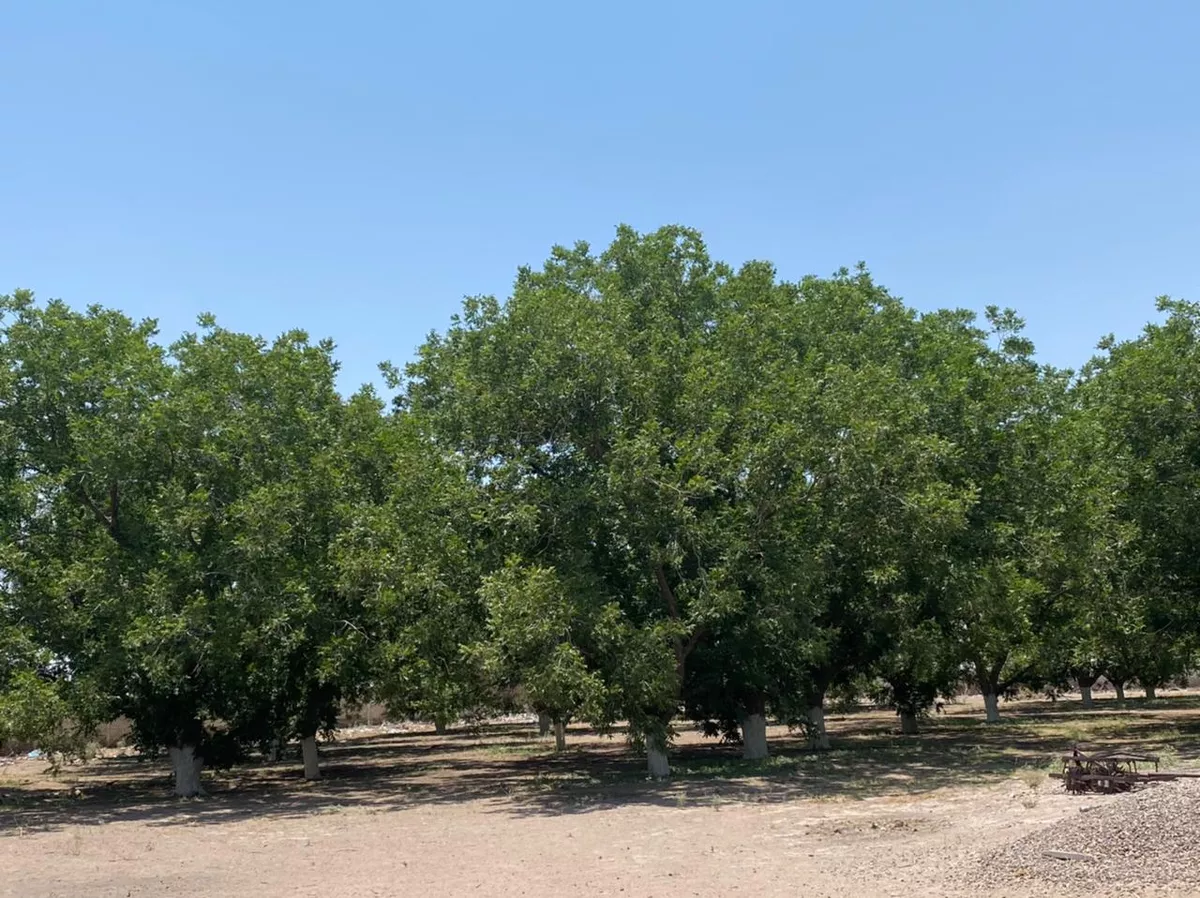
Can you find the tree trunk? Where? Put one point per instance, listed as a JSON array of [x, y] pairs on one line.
[[1085, 692], [187, 766], [1120, 689], [312, 762], [818, 738], [991, 704], [439, 727], [543, 724], [908, 723], [754, 737], [560, 735], [656, 759], [1151, 693]]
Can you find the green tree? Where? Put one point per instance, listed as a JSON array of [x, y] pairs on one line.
[[691, 447], [171, 540], [89, 564], [1142, 394], [414, 556], [1095, 555], [260, 437], [571, 402], [533, 641], [847, 488], [999, 409]]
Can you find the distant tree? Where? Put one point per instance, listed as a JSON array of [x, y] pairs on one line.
[[1142, 395], [414, 556], [1000, 408], [533, 640], [1095, 552]]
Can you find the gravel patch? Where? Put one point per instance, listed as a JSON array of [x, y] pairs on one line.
[[1136, 841]]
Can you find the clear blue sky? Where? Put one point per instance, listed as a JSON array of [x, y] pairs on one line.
[[356, 168]]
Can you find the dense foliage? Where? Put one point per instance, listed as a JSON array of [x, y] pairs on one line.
[[646, 487]]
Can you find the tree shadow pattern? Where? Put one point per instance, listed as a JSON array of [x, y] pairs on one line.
[[513, 772]]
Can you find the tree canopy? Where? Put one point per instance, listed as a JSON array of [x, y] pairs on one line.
[[646, 487]]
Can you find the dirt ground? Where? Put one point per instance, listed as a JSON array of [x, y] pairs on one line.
[[495, 812]]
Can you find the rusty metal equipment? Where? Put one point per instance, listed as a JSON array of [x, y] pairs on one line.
[[1111, 770]]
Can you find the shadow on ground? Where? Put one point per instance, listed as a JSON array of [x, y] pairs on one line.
[[516, 773]]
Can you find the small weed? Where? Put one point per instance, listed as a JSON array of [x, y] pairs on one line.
[[1076, 732], [1169, 758], [1033, 777]]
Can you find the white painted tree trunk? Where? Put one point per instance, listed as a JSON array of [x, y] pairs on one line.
[[312, 762], [656, 760], [754, 737], [908, 723], [818, 738], [991, 704], [560, 736], [1085, 692], [187, 767], [544, 723]]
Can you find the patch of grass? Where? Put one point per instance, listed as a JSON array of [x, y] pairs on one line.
[[564, 780], [1033, 777], [738, 768], [518, 750], [1170, 759]]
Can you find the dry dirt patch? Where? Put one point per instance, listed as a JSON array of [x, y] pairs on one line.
[[497, 813]]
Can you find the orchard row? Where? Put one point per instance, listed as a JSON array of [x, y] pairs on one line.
[[644, 487]]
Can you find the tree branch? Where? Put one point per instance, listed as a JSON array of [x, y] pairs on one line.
[[114, 501], [664, 590], [96, 510], [682, 649]]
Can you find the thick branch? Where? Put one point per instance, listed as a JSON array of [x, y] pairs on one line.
[[682, 649], [114, 501], [1018, 677], [97, 512], [664, 589], [997, 669]]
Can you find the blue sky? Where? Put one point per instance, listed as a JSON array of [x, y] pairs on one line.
[[356, 168]]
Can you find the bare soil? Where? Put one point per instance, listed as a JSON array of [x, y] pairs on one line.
[[495, 812]]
